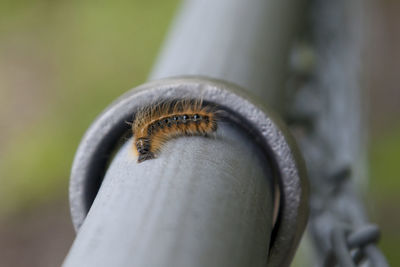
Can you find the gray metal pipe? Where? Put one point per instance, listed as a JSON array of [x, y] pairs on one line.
[[206, 201], [243, 42]]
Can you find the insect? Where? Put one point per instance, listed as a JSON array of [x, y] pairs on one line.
[[155, 125]]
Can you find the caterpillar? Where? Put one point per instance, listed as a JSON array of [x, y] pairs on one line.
[[153, 126]]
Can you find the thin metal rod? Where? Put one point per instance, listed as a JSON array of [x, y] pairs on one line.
[[204, 202]]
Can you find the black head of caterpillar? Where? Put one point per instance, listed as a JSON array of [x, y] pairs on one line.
[[155, 125], [143, 149]]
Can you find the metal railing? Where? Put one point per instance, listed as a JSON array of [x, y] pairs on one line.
[[327, 109], [213, 201]]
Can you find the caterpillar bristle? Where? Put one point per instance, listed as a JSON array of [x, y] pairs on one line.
[[129, 123], [143, 157], [153, 126]]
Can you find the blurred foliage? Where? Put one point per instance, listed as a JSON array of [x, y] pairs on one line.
[[384, 190], [61, 64]]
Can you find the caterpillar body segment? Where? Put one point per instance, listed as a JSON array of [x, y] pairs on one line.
[[154, 126]]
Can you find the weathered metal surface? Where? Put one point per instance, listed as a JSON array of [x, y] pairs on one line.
[[202, 202]]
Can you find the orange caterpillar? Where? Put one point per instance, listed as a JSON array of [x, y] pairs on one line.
[[155, 125]]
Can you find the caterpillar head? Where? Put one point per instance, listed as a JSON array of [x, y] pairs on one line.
[[143, 149]]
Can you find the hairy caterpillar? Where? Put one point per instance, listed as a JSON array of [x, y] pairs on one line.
[[155, 125]]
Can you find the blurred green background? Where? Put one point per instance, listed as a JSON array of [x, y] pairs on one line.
[[63, 62]]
